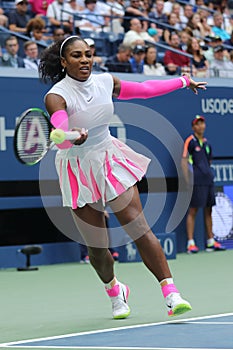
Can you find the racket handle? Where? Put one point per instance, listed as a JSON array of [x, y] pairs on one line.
[[72, 135]]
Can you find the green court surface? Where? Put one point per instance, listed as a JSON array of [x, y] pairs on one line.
[[69, 298]]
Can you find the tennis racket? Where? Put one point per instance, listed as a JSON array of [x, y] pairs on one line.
[[32, 136]]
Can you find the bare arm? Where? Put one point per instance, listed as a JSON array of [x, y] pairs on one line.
[[116, 86], [14, 28], [185, 169], [54, 103]]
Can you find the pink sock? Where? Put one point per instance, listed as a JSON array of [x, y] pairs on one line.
[[168, 289]]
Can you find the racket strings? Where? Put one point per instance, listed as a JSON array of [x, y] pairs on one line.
[[32, 137]]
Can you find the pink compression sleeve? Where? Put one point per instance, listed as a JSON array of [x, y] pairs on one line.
[[59, 119], [151, 88]]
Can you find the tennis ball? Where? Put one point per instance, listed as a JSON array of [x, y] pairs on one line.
[[57, 136]]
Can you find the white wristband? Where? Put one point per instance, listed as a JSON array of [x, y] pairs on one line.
[[184, 82]]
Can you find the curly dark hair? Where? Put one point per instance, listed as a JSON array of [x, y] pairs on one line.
[[50, 67]]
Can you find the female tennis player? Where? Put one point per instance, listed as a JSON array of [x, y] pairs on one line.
[[97, 169]]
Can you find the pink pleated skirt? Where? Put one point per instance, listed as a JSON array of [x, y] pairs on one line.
[[103, 172]]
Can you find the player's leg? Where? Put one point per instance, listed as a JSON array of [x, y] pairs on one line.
[[129, 212], [91, 224], [190, 225]]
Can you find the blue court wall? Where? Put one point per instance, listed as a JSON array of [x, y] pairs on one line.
[[147, 125]]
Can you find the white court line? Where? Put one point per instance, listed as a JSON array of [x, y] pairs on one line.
[[112, 348], [15, 343]]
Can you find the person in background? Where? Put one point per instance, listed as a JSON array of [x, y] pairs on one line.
[[185, 17], [3, 18], [10, 58], [134, 10], [90, 18], [197, 156], [136, 35], [195, 25], [98, 62], [229, 42], [58, 18], [220, 67], [158, 14], [31, 60], [120, 62], [36, 29], [217, 28], [185, 36], [137, 59], [19, 17], [174, 62], [212, 42], [58, 34], [39, 7], [200, 65], [172, 21], [151, 66]]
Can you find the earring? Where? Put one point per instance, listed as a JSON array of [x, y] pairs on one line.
[[63, 70]]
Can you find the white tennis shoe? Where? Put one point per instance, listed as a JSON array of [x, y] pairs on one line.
[[119, 297], [176, 305]]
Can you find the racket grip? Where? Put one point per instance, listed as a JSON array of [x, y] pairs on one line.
[[72, 135]]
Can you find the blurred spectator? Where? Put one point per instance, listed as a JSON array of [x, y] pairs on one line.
[[39, 7], [195, 25], [157, 13], [116, 9], [58, 18], [204, 14], [90, 19], [31, 60], [136, 35], [212, 42], [220, 67], [177, 9], [146, 6], [231, 56], [10, 58], [137, 59], [19, 17], [229, 42], [168, 6], [35, 30], [74, 6], [188, 12], [151, 66], [185, 36], [3, 18], [134, 10], [200, 65], [174, 62], [98, 63], [217, 27], [121, 61], [172, 21], [58, 34]]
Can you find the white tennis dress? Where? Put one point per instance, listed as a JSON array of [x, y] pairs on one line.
[[102, 167]]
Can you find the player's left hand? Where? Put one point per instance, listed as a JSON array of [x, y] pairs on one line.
[[195, 86], [82, 138]]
